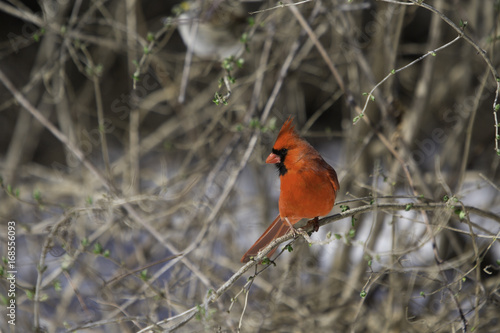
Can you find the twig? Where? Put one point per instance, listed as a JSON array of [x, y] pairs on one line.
[[480, 51], [319, 46], [41, 267], [370, 95], [194, 24], [109, 186], [106, 322], [47, 124], [468, 134], [495, 186], [214, 295], [281, 5], [188, 313]]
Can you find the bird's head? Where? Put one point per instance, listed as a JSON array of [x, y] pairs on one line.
[[286, 150]]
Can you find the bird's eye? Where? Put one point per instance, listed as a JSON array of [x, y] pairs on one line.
[[283, 151]]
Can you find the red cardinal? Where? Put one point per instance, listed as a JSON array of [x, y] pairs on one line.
[[308, 185]]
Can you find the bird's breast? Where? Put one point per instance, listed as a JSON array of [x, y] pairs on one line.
[[306, 194]]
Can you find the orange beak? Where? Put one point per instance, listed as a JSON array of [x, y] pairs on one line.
[[273, 159]]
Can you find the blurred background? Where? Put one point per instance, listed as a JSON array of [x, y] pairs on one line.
[[149, 186]]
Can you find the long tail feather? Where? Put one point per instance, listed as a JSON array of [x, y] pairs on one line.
[[275, 230]]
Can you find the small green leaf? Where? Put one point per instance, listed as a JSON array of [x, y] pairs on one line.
[[408, 207], [244, 38], [497, 107], [289, 248], [266, 261], [98, 249], [338, 236], [37, 195], [215, 100], [393, 71], [254, 123], [144, 275], [227, 63], [29, 294], [363, 294], [460, 213], [200, 312], [344, 208], [352, 233], [446, 198], [150, 37], [422, 294]]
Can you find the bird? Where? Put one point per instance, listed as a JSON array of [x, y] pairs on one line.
[[218, 25], [308, 186]]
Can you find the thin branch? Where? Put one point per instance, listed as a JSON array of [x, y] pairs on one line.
[[480, 51], [58, 134], [215, 294], [370, 95], [281, 5]]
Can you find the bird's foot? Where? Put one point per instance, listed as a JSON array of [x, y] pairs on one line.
[[314, 223], [294, 231], [299, 232]]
